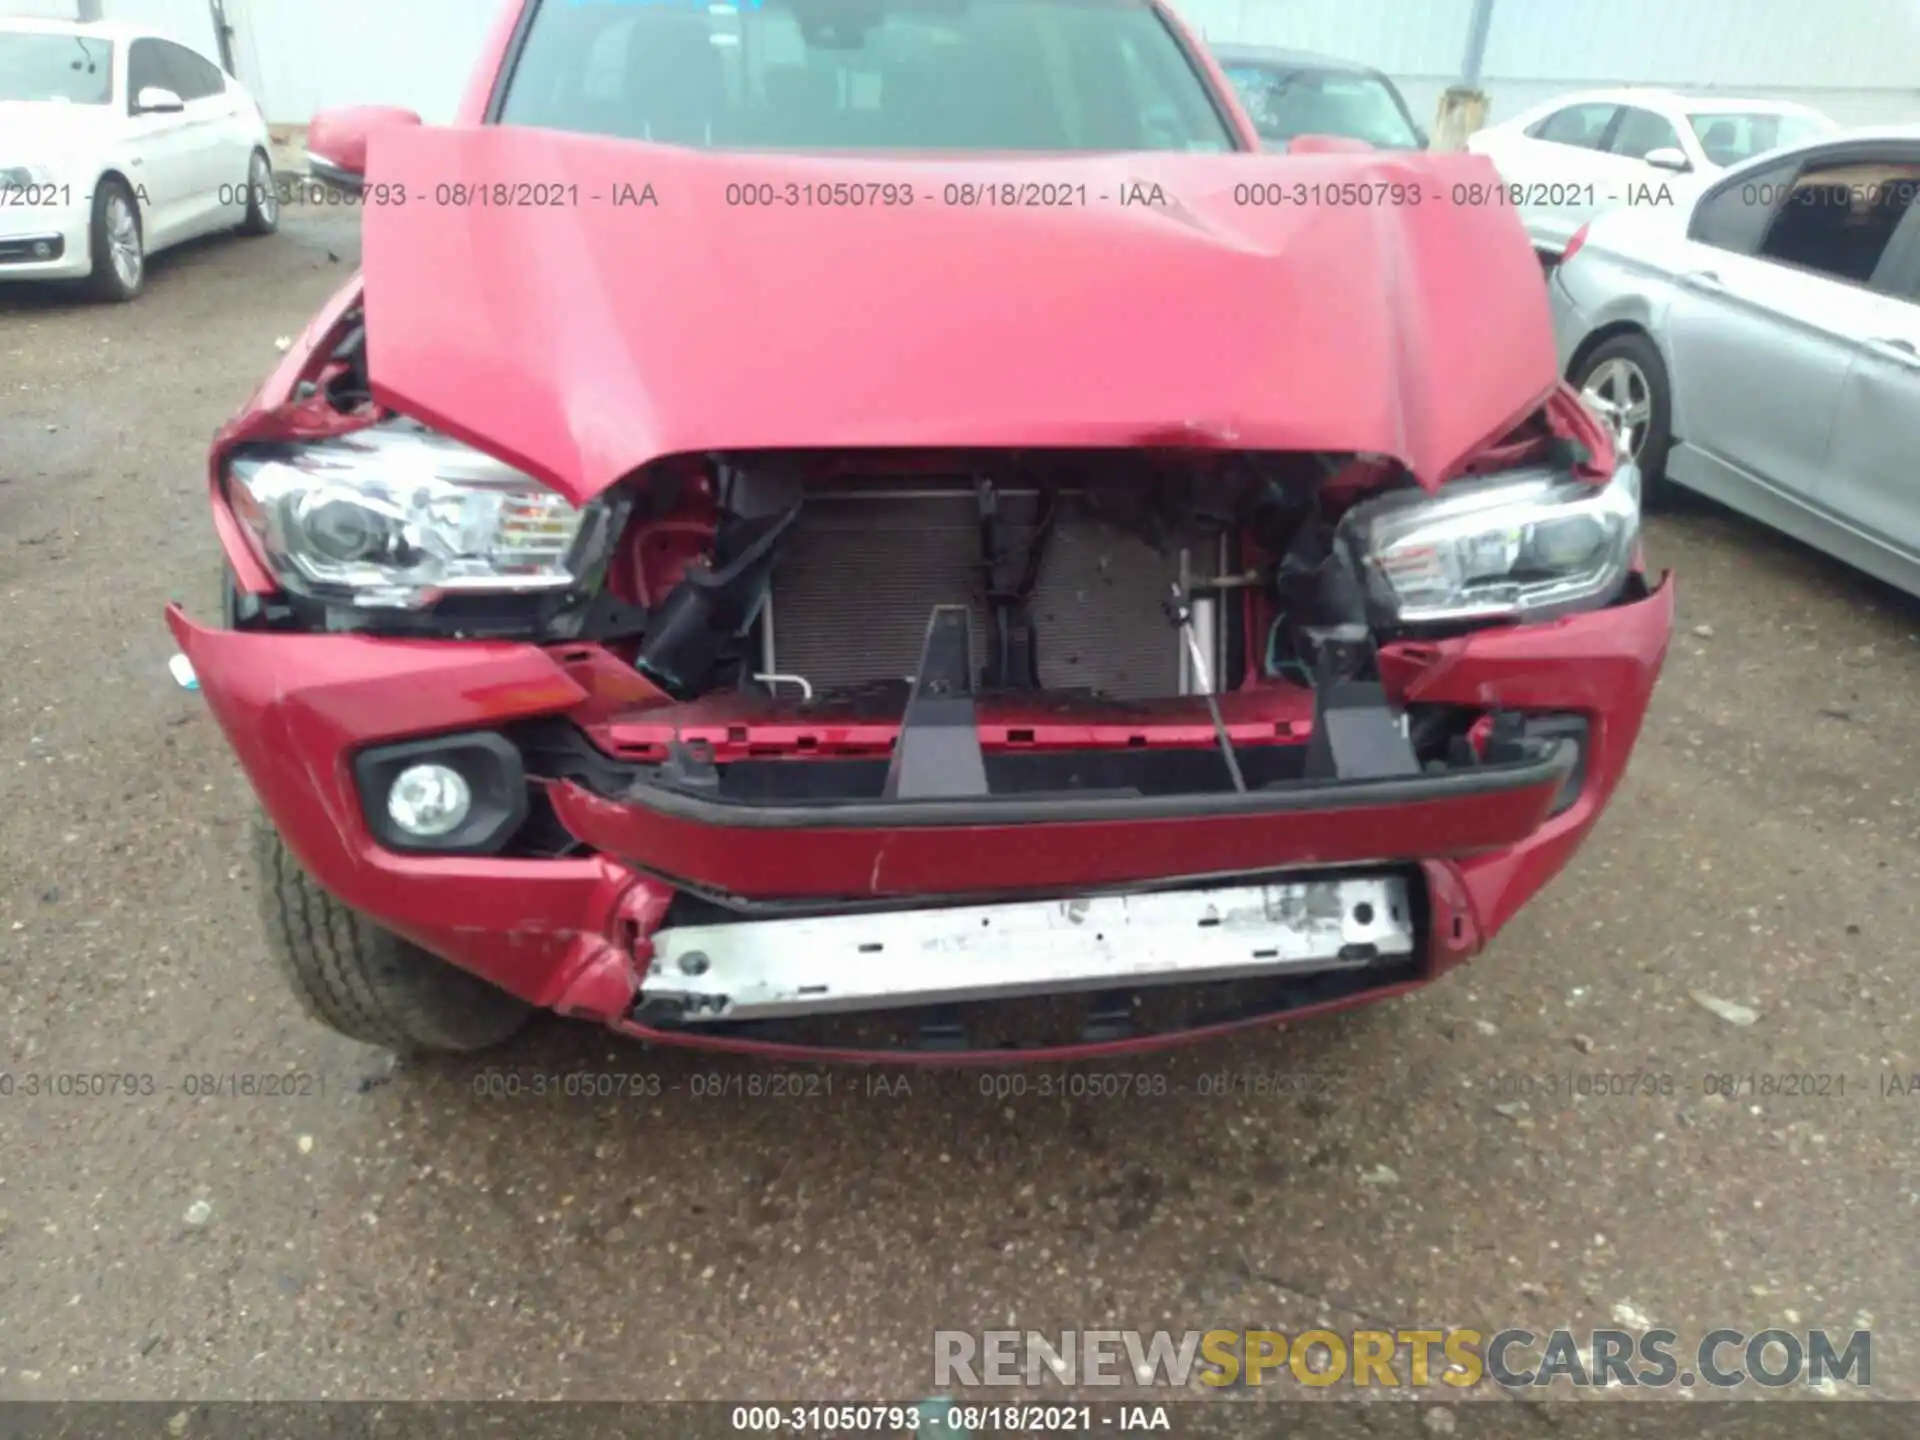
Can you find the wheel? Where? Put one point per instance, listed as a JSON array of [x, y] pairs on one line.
[[1624, 381], [117, 243], [365, 982], [263, 200]]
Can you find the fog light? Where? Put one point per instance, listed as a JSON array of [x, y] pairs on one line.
[[429, 801], [450, 795], [42, 250]]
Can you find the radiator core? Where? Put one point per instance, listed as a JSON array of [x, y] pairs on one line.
[[858, 577]]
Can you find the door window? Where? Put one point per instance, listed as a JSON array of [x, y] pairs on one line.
[[1900, 270], [195, 78], [1837, 219], [1582, 126], [1641, 131], [146, 65], [1734, 216], [1835, 216], [1729, 137]]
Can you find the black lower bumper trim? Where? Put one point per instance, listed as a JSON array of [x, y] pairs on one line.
[[21, 251], [1550, 760]]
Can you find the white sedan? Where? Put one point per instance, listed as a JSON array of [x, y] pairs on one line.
[[1567, 160], [116, 143]]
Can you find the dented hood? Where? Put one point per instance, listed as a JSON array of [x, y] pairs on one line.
[[645, 309]]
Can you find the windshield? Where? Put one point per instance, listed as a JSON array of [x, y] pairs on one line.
[[1066, 75], [1728, 138], [1286, 103], [35, 66]]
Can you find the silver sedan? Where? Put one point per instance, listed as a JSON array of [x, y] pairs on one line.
[[1758, 340]]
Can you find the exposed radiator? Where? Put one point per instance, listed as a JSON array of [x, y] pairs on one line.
[[858, 577]]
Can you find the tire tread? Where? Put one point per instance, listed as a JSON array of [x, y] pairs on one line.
[[364, 981], [104, 283]]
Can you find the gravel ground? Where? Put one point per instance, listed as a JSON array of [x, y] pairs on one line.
[[392, 1233]]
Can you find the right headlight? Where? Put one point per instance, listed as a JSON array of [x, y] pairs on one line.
[[1524, 544], [396, 516]]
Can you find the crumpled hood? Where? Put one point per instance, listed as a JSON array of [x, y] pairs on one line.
[[652, 313]]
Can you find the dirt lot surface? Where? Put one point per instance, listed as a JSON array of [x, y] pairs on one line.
[[394, 1233]]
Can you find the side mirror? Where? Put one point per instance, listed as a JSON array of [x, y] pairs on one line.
[[157, 100], [337, 142], [1668, 157]]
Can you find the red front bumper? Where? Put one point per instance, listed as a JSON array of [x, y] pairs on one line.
[[572, 934]]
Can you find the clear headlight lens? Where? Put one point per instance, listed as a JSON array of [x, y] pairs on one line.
[[396, 516], [1526, 544]]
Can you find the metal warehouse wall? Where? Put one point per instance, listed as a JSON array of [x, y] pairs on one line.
[[1858, 60], [188, 21], [299, 56]]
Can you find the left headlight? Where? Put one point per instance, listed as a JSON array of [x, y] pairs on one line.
[[1525, 544], [397, 516]]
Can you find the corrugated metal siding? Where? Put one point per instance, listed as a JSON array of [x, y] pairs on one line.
[[1858, 60], [299, 56], [1840, 44], [1412, 37], [188, 21]]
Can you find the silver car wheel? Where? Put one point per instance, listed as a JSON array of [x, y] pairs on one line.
[[260, 178], [1617, 391], [123, 241]]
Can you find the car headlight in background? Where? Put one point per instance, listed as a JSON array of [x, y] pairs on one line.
[[396, 516], [1526, 544]]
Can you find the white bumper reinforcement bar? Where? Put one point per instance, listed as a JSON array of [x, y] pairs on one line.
[[761, 969]]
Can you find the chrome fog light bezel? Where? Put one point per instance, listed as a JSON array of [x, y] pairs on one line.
[[490, 766]]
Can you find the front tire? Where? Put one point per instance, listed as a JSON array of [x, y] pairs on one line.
[[365, 982], [263, 200], [118, 244], [1624, 381]]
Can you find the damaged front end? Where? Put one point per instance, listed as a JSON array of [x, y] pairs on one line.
[[1176, 736]]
